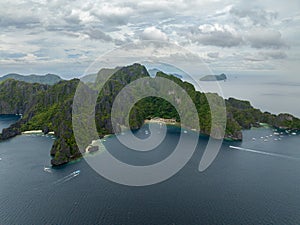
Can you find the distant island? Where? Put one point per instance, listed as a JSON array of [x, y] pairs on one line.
[[154, 71], [214, 77], [49, 108], [41, 79]]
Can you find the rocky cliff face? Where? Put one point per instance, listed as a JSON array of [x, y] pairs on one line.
[[16, 96], [43, 107], [49, 108]]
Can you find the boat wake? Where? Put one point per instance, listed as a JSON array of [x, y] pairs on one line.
[[264, 153], [67, 178]]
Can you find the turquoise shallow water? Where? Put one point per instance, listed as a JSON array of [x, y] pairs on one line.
[[240, 187]]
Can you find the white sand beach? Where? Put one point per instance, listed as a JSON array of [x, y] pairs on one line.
[[32, 132]]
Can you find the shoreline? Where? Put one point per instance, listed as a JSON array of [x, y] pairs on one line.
[[32, 132], [162, 120], [173, 122], [37, 132], [95, 143]]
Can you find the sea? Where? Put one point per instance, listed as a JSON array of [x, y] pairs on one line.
[[255, 181], [271, 93]]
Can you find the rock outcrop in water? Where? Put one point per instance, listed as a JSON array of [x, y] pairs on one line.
[[49, 107], [214, 77]]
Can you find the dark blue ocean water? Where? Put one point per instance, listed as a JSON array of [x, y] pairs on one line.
[[240, 187], [7, 120]]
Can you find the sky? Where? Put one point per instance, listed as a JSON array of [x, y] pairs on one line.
[[65, 37]]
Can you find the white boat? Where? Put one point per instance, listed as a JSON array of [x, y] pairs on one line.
[[47, 169], [185, 131], [294, 133], [76, 172]]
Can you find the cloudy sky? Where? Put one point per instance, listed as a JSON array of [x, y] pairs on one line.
[[64, 37]]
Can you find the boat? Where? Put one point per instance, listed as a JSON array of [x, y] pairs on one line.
[[47, 169], [185, 131], [76, 172], [294, 133]]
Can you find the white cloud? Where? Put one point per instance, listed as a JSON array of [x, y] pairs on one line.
[[213, 54], [274, 54], [257, 16], [111, 14], [215, 35], [43, 29], [265, 38], [152, 33], [98, 35]]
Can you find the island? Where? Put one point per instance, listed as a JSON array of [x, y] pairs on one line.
[[214, 77], [41, 79], [154, 71], [49, 108]]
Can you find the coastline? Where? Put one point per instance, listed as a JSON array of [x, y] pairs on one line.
[[37, 132], [172, 122], [162, 120], [32, 132]]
